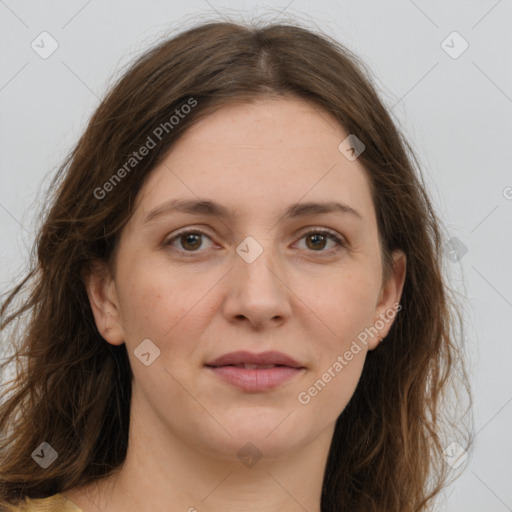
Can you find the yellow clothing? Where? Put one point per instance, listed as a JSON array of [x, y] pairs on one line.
[[55, 503]]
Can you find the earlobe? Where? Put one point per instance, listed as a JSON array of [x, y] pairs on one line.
[[100, 288]]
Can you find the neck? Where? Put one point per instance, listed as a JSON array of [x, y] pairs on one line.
[[163, 473]]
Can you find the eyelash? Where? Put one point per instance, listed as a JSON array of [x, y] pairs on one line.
[[316, 231]]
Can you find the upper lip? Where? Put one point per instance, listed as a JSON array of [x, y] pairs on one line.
[[264, 358]]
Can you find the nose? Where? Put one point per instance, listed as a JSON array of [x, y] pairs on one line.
[[257, 290]]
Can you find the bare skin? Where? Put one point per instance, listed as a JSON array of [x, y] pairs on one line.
[[197, 299]]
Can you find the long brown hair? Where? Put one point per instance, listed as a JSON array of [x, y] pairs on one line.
[[72, 389]]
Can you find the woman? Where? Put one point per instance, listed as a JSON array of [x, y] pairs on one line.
[[238, 300]]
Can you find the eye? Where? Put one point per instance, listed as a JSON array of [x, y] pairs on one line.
[[318, 238], [190, 240]]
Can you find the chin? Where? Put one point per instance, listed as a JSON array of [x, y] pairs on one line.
[[270, 439]]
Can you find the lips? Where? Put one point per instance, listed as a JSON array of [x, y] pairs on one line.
[[256, 372], [248, 360]]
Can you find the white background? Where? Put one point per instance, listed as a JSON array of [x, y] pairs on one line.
[[456, 113]]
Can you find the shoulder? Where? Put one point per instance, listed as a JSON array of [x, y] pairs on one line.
[[55, 503]]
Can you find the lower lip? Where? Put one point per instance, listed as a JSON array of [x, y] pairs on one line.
[[256, 379]]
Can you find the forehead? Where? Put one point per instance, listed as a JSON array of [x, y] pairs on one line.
[[268, 123], [258, 157]]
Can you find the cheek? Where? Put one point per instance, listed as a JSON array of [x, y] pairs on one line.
[[346, 306], [346, 309], [166, 307], [151, 302]]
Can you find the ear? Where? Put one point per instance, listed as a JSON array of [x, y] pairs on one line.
[[101, 290], [389, 298]]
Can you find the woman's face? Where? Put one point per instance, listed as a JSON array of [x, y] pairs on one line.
[[255, 281]]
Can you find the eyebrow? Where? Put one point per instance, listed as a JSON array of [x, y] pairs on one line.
[[214, 209]]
